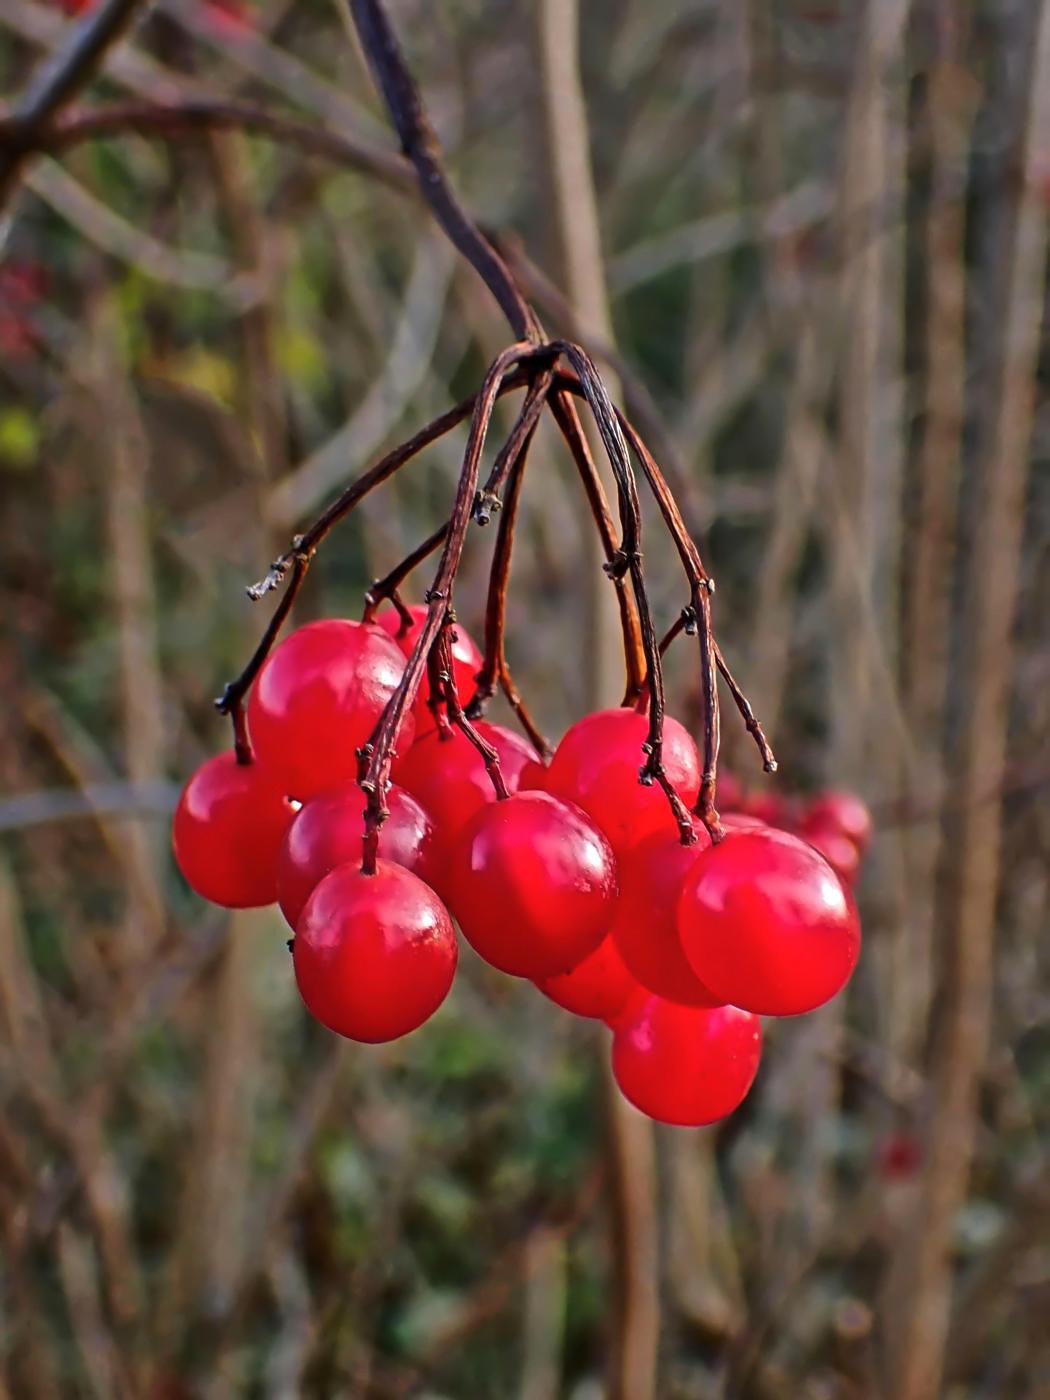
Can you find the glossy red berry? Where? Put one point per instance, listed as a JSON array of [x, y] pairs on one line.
[[533, 885], [767, 924], [596, 765], [448, 776], [467, 659], [317, 700], [328, 832], [600, 986], [533, 776], [843, 811], [227, 830], [686, 1065], [374, 955], [646, 926]]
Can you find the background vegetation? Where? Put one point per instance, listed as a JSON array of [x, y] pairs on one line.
[[822, 261]]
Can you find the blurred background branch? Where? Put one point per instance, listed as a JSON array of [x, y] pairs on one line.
[[810, 242]]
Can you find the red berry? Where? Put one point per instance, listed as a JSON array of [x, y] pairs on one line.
[[729, 793], [228, 16], [533, 884], [533, 776], [768, 807], [844, 811], [767, 924], [328, 831], [838, 850], [596, 765], [374, 954], [600, 986], [646, 925], [686, 1065], [449, 777], [899, 1156], [317, 700], [467, 659], [227, 831]]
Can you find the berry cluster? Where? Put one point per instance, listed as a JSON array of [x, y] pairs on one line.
[[571, 873]]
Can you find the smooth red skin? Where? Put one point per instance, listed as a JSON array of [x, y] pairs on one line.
[[317, 700], [767, 924], [533, 776], [743, 821], [686, 1065], [599, 987], [448, 776], [837, 849], [328, 832], [227, 831], [768, 807], [842, 810], [646, 927], [596, 765], [374, 955], [533, 884], [467, 659]]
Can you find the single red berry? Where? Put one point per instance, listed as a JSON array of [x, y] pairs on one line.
[[533, 776], [686, 1065], [599, 987], [837, 849], [597, 763], [769, 807], [467, 659], [899, 1156], [328, 831], [646, 925], [374, 955], [843, 810], [317, 700], [227, 830], [767, 924], [533, 884], [448, 776]]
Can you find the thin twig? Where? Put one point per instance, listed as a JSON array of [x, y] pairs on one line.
[[59, 79]]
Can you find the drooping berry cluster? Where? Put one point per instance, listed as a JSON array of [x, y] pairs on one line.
[[571, 873]]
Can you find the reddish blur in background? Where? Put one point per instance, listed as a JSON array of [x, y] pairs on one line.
[[823, 256]]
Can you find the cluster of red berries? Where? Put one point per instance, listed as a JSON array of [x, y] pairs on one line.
[[578, 880]]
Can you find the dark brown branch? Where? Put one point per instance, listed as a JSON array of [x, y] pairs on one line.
[[699, 581], [564, 413], [387, 586], [459, 718], [488, 502], [231, 701], [420, 145], [627, 559], [377, 753], [495, 670], [198, 115], [59, 79], [345, 502]]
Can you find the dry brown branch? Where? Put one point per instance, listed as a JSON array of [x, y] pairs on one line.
[[967, 915]]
